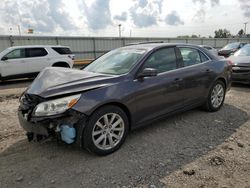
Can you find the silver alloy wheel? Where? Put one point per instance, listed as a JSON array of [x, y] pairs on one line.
[[108, 131], [217, 95]]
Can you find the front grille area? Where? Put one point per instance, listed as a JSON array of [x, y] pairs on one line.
[[240, 69], [28, 103]]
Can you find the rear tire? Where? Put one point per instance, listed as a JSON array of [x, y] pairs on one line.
[[106, 130], [216, 97]]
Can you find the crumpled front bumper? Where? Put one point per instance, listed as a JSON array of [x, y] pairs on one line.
[[45, 127], [37, 128]]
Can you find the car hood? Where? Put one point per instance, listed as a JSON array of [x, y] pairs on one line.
[[240, 60], [225, 52], [55, 81]]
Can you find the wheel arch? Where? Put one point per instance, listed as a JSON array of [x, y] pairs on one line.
[[223, 80], [207, 104], [215, 80], [60, 64], [120, 105]]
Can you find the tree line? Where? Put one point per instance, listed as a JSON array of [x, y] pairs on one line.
[[220, 33]]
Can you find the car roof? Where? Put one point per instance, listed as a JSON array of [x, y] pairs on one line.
[[150, 46], [205, 46], [38, 46]]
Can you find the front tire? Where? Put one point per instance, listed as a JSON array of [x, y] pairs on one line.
[[106, 130], [216, 96]]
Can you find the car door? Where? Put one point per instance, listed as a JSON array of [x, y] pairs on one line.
[[160, 94], [13, 63], [36, 59], [196, 74]]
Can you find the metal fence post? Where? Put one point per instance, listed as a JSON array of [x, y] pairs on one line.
[[11, 40], [94, 47], [57, 41], [123, 41]]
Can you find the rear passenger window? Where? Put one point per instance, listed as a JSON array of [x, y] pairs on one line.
[[36, 52], [162, 60], [62, 51], [192, 56], [203, 57]]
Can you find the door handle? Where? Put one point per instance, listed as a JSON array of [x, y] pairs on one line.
[[208, 70], [178, 79], [176, 82]]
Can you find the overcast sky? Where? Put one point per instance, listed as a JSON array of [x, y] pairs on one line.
[[145, 18]]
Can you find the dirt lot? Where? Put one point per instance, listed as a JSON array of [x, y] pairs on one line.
[[192, 149]]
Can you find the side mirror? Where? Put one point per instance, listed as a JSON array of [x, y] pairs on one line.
[[148, 72], [4, 58]]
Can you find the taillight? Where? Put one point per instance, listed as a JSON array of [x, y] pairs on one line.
[[229, 62], [230, 65]]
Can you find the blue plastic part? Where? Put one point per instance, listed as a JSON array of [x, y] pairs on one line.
[[68, 134]]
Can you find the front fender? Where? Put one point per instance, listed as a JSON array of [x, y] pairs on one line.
[[91, 100]]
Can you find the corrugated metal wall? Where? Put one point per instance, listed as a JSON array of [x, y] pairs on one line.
[[89, 47]]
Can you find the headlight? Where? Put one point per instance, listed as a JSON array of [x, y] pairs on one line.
[[57, 106]]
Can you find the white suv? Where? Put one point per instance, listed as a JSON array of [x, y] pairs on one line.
[[27, 61]]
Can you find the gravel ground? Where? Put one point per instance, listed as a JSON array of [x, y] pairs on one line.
[[192, 149]]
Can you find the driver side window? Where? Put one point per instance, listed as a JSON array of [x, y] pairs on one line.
[[162, 60], [16, 54]]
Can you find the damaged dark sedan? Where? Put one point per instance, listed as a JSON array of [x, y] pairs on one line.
[[126, 88]]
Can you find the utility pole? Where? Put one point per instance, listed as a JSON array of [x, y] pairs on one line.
[[19, 30], [120, 32], [245, 27], [11, 30]]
